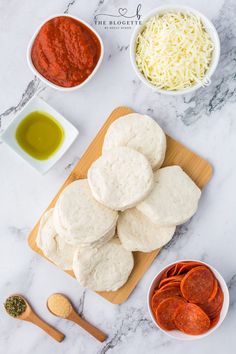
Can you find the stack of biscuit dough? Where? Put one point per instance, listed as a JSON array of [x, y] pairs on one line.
[[127, 203]]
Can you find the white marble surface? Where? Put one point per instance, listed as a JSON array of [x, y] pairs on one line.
[[204, 121]]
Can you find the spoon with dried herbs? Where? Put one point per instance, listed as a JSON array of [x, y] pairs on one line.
[[17, 307], [59, 305]]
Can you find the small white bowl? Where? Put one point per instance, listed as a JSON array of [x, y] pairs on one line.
[[9, 135], [178, 334], [210, 29], [49, 83]]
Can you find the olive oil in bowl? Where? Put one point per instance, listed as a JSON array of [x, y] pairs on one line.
[[40, 135]]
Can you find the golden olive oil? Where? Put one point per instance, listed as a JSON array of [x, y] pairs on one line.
[[40, 135]]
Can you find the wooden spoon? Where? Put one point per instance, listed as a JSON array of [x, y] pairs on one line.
[[30, 316], [72, 315]]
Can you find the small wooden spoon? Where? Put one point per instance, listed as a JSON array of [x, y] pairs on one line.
[[72, 315], [30, 316]]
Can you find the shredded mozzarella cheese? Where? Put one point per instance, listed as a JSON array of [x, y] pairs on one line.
[[174, 51]]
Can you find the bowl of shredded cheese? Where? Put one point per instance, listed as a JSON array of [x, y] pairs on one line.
[[176, 50]]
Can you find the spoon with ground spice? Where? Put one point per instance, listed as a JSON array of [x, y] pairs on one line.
[[17, 307], [59, 305]]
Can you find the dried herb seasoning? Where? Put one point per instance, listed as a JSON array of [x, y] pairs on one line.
[[15, 305]]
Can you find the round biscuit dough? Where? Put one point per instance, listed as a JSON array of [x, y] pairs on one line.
[[121, 178], [139, 132], [80, 219], [137, 233], [52, 245], [104, 268], [70, 239], [174, 198]]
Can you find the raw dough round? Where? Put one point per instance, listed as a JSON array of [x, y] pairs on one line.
[[174, 198], [80, 219], [52, 245], [139, 132], [137, 233], [104, 268], [121, 178]]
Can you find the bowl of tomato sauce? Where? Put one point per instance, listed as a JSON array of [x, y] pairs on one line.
[[65, 52]]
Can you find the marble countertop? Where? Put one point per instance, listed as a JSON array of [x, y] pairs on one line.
[[204, 121]]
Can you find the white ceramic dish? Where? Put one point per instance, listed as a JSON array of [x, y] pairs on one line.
[[209, 27], [49, 83], [9, 135], [178, 334]]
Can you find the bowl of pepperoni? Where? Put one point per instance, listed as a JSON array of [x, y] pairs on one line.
[[188, 299]]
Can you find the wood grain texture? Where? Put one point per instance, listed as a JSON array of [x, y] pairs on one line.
[[177, 154], [88, 327], [50, 330], [29, 315]]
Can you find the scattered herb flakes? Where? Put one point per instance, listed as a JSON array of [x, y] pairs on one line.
[[15, 305]]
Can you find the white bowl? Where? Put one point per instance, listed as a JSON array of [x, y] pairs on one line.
[[9, 135], [178, 334], [49, 83], [210, 29]]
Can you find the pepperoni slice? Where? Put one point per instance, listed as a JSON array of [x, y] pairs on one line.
[[213, 306], [161, 295], [172, 270], [166, 274], [197, 285], [172, 284], [215, 289], [214, 321], [166, 310], [175, 278], [175, 269], [188, 266], [191, 319]]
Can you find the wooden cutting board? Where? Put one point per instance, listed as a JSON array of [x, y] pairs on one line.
[[177, 154]]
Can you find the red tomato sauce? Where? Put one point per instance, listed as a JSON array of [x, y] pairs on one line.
[[65, 51]]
